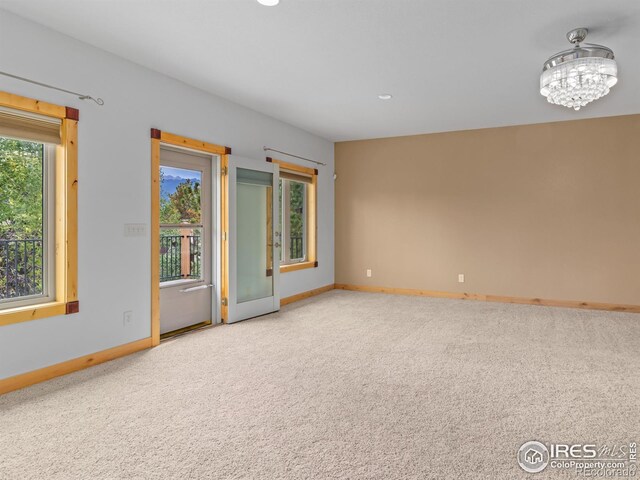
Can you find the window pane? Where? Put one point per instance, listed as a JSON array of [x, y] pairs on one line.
[[254, 198], [180, 254], [296, 220], [22, 217], [180, 204], [180, 195]]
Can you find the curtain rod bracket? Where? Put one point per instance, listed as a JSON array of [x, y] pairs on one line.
[[98, 100]]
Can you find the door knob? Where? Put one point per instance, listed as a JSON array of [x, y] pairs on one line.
[[277, 245]]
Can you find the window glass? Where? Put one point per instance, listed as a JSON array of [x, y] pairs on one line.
[[180, 195], [23, 217], [254, 203], [180, 224], [296, 220], [293, 220]]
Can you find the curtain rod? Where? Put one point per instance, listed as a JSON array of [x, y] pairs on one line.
[[81, 96], [267, 149]]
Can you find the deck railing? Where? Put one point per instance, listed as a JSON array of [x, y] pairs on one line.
[[296, 249], [21, 272], [173, 262]]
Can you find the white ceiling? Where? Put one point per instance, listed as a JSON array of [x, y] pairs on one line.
[[320, 64]]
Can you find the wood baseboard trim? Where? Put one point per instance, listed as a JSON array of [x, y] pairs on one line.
[[303, 295], [47, 373], [612, 307]]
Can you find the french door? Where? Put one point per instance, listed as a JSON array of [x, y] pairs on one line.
[[253, 238]]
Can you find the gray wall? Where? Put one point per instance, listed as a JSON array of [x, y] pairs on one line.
[[114, 183]]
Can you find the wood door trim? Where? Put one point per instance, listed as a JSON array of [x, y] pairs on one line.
[[158, 138]]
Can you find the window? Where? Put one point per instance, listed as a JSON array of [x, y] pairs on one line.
[[181, 224], [38, 205], [27, 243], [297, 216]]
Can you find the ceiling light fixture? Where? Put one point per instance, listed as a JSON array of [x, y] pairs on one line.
[[269, 3], [385, 96], [578, 76]]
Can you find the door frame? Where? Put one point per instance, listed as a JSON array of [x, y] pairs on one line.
[[159, 137]]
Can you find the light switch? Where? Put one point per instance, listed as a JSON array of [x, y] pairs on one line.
[[135, 229]]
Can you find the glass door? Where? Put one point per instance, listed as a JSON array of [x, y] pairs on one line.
[[254, 243], [186, 242]]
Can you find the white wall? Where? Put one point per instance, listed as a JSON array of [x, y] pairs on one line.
[[114, 183]]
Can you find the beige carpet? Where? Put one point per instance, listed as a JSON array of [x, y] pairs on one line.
[[344, 385]]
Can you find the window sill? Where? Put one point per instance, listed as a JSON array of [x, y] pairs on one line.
[[32, 312], [297, 266]]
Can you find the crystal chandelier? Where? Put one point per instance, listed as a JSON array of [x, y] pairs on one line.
[[578, 76]]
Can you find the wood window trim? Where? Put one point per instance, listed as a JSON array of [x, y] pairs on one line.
[[312, 215], [158, 138], [293, 167], [66, 213], [292, 267]]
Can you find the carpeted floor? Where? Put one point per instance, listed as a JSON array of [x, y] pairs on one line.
[[343, 385]]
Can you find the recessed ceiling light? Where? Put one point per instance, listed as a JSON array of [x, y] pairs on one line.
[[269, 3], [385, 96]]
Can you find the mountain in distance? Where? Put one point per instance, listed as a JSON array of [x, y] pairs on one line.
[[170, 183]]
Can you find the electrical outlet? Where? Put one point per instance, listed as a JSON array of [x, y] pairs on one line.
[[127, 318], [368, 272], [461, 278], [135, 229]]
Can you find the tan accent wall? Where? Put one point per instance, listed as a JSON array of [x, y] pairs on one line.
[[549, 211]]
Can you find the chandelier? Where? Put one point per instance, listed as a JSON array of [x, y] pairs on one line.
[[578, 76]]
